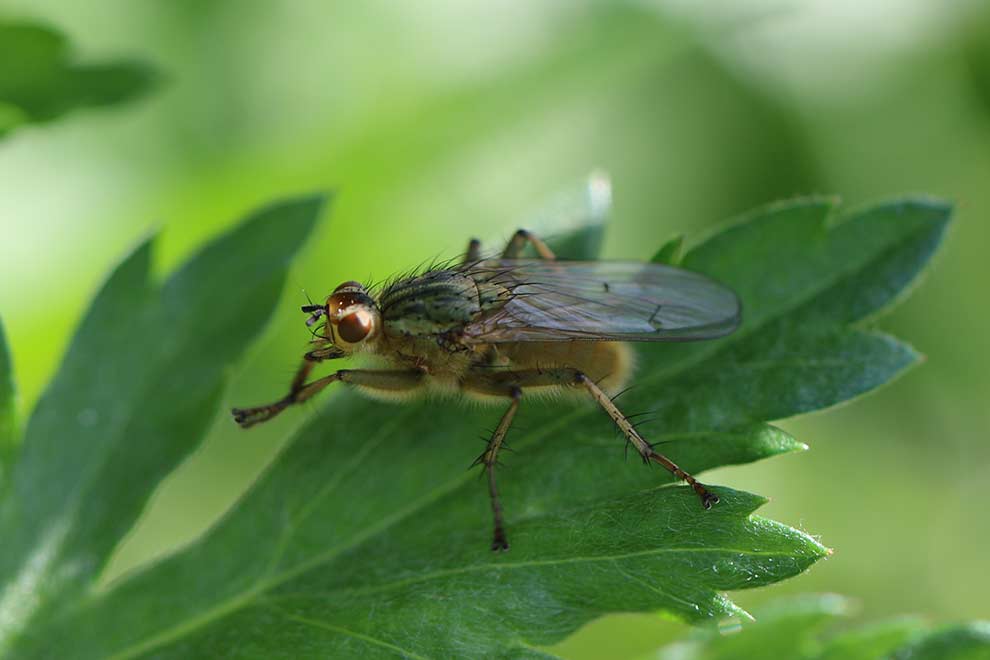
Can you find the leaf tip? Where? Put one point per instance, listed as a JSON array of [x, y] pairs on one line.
[[291, 218], [314, 203], [136, 264], [768, 440], [920, 208], [670, 252], [938, 208], [783, 442], [738, 502]]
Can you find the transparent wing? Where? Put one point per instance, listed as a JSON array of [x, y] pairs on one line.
[[602, 300]]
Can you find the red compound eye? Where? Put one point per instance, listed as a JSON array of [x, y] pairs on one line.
[[354, 327]]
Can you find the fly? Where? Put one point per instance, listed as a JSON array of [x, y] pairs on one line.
[[499, 328]]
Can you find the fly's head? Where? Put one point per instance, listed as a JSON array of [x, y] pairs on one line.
[[352, 317]]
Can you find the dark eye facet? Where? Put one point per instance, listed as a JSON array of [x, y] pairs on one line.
[[354, 327]]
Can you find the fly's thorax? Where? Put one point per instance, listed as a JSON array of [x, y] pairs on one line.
[[437, 302]]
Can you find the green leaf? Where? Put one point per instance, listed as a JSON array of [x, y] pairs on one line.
[[40, 82], [786, 628], [368, 535], [797, 628], [670, 252], [874, 640], [135, 394], [970, 641], [8, 393]]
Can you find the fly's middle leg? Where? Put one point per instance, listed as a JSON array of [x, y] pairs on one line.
[[490, 460]]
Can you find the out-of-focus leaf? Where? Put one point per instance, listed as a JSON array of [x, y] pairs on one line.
[[7, 413], [975, 49], [873, 640], [368, 537], [39, 81], [787, 628], [134, 395], [970, 641], [670, 252], [795, 628]]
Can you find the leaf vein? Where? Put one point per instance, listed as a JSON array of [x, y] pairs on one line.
[[356, 635], [305, 511]]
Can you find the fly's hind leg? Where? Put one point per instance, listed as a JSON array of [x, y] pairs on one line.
[[490, 459], [569, 377], [385, 381], [644, 448]]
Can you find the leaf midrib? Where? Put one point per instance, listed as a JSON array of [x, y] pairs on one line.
[[244, 598], [536, 563]]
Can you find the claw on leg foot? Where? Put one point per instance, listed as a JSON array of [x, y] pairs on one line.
[[500, 543], [708, 499]]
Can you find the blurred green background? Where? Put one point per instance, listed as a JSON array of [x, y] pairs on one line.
[[435, 121]]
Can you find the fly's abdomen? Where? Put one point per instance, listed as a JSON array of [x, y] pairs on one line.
[[436, 302]]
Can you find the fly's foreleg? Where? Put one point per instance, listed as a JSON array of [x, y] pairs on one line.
[[385, 380], [519, 240], [248, 417], [309, 361], [490, 460], [569, 377]]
